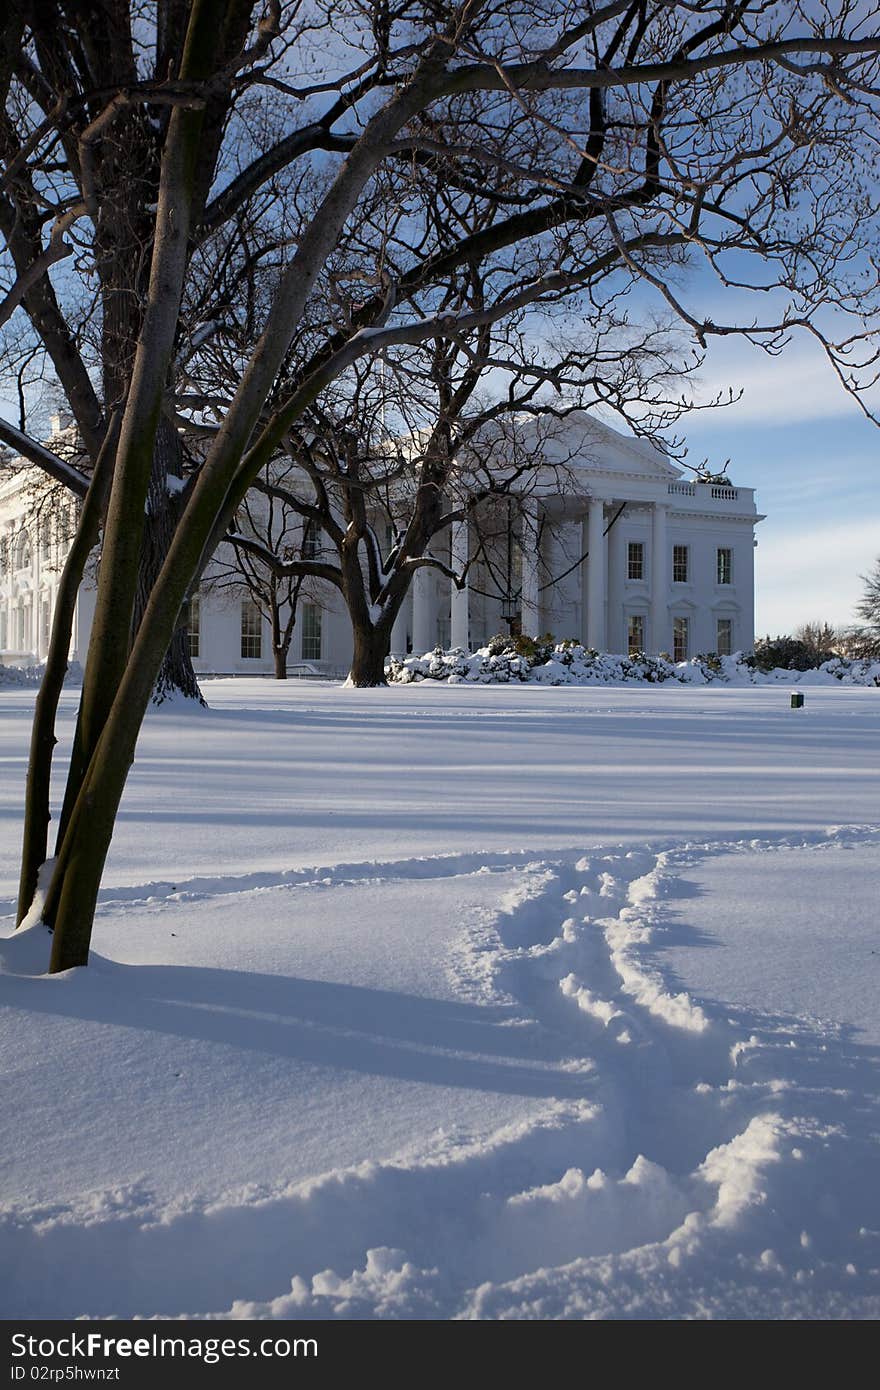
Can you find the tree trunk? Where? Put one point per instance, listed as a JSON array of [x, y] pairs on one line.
[[119, 677], [43, 740], [280, 647], [371, 645], [177, 675], [112, 706]]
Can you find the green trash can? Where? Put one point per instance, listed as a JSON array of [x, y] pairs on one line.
[[797, 699]]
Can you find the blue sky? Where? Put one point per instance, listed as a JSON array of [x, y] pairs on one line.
[[814, 460]]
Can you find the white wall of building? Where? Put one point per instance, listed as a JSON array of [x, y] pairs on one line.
[[572, 572]]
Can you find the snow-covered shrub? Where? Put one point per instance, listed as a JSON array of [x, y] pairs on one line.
[[534, 650], [32, 675], [853, 671], [789, 654], [569, 663]]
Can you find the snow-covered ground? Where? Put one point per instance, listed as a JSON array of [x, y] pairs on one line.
[[445, 1001]]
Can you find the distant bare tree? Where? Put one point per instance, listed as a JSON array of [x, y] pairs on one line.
[[268, 542], [820, 641]]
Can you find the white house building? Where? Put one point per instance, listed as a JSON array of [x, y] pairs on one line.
[[35, 536], [612, 545]]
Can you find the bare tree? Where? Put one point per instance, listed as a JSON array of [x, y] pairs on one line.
[[389, 458], [266, 558], [819, 640], [624, 135]]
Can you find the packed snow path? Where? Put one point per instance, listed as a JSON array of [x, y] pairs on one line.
[[479, 1084]]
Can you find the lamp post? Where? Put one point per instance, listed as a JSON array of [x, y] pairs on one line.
[[509, 611]]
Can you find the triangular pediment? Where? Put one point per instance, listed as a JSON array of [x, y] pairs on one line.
[[593, 445], [580, 444]]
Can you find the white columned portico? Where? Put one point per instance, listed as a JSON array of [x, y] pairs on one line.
[[424, 637], [530, 615], [660, 637], [596, 572], [459, 599]]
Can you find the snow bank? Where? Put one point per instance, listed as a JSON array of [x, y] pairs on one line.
[[569, 663], [359, 1043]]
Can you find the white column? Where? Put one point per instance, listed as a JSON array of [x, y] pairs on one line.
[[584, 572], [661, 637], [36, 579], [424, 637], [29, 644], [615, 636], [555, 555], [398, 631], [596, 566], [459, 599], [529, 604]]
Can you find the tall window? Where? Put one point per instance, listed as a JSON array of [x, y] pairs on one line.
[[4, 555], [22, 552], [311, 541], [22, 635], [3, 635], [679, 564], [45, 624], [635, 634], [724, 637], [194, 626], [311, 632], [724, 567], [679, 639], [64, 529], [635, 560], [251, 629], [45, 541]]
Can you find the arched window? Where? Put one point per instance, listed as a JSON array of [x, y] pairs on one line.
[[22, 551]]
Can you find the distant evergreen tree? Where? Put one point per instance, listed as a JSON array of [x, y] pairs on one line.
[[784, 652], [869, 606]]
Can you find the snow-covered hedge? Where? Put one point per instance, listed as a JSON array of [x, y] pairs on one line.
[[32, 675], [568, 663]]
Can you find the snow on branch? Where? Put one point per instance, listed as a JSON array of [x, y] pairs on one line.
[[57, 468]]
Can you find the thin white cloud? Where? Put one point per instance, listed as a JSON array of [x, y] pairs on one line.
[[812, 573], [798, 386]]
